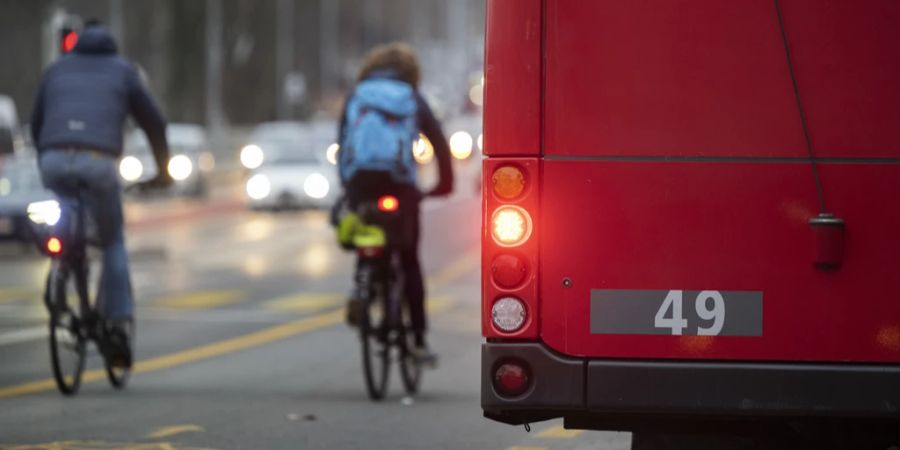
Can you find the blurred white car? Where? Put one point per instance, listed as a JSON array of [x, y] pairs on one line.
[[288, 168], [24, 202], [189, 159]]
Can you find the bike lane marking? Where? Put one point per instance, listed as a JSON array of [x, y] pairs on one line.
[[243, 342], [558, 432], [199, 299], [165, 432]]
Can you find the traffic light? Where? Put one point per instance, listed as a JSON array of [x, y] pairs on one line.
[[67, 40]]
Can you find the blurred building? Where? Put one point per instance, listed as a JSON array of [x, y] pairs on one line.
[[278, 58]]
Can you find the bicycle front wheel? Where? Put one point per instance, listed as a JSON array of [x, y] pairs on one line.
[[67, 342], [375, 348]]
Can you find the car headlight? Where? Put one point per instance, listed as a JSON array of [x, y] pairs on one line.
[[316, 185], [258, 187], [130, 168], [180, 167], [331, 153], [252, 156], [44, 212], [461, 145]]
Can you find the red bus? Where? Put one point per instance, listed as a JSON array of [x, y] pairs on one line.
[[688, 215]]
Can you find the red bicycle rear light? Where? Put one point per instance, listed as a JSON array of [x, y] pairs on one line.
[[388, 203], [511, 379], [54, 246]]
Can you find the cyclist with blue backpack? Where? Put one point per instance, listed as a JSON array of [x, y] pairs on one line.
[[381, 120]]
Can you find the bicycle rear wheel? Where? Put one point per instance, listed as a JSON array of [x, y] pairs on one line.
[[67, 341], [375, 348]]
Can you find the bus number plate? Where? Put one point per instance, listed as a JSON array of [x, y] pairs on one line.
[[676, 312]]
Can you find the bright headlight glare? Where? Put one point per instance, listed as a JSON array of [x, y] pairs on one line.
[[331, 153], [510, 226], [252, 156], [44, 212], [131, 168], [180, 167], [258, 187], [316, 186], [508, 314], [461, 145]]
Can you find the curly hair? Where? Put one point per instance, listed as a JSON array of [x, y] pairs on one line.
[[396, 56]]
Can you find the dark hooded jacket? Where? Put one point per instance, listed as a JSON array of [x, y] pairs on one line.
[[85, 97]]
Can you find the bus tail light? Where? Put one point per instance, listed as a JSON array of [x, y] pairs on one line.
[[508, 182], [510, 303], [511, 379], [508, 271], [510, 226], [508, 314]]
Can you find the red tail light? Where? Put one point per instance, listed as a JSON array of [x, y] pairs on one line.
[[69, 39], [511, 379], [54, 246], [510, 306], [388, 203]]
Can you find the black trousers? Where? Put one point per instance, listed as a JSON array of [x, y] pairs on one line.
[[369, 186]]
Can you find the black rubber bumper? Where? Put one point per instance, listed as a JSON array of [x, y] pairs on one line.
[[578, 388]]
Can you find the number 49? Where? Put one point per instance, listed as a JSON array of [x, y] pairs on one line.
[[675, 320]]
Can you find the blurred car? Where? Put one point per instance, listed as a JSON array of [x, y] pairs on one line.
[[24, 202], [288, 168], [189, 159]]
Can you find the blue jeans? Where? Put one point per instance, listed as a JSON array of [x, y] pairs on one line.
[[65, 172]]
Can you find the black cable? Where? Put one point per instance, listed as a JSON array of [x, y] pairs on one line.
[[809, 147]]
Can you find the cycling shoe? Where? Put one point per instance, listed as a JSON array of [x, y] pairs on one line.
[[117, 348], [354, 312], [425, 357]]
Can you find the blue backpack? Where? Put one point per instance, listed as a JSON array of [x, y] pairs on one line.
[[380, 130]]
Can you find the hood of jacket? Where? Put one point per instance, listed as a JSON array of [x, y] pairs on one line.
[[96, 40]]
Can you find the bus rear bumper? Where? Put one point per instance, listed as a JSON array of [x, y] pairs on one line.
[[625, 394]]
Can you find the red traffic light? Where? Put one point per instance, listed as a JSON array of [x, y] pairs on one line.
[[69, 39]]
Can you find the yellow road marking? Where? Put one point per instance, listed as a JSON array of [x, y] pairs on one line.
[[100, 445], [304, 302], [255, 339], [9, 295], [173, 430], [558, 432], [469, 261], [200, 300], [528, 448]]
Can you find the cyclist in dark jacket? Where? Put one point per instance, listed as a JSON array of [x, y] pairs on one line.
[[398, 61], [77, 123]]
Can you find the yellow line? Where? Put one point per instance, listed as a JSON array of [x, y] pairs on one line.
[[200, 300], [528, 448], [255, 339], [558, 432], [469, 261], [173, 430], [246, 341], [303, 302], [8, 295]]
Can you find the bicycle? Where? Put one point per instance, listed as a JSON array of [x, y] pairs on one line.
[[383, 316], [73, 325]]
